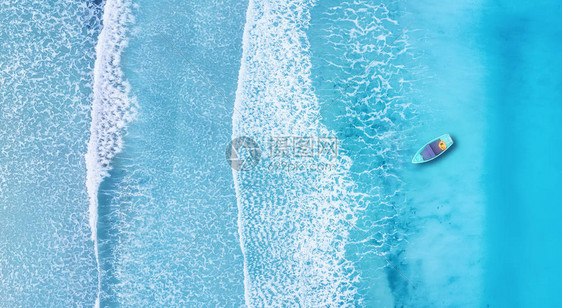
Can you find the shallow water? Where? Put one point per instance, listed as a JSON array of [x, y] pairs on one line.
[[167, 226], [46, 255], [153, 215]]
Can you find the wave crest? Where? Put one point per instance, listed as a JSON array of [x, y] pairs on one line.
[[112, 107], [293, 225]]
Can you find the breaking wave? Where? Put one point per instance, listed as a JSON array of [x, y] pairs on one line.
[[293, 224], [316, 237], [112, 106]]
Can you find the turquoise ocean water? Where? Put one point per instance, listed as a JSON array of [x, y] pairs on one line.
[[47, 54], [167, 216], [115, 117]]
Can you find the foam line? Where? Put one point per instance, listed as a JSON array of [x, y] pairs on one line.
[[294, 225], [112, 107]]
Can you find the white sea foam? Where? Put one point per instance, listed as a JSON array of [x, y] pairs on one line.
[[293, 225], [368, 52], [112, 106]]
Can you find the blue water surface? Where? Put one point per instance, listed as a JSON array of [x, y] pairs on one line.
[[487, 212], [47, 53], [523, 168], [167, 226], [478, 227]]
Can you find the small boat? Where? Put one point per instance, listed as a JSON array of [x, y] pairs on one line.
[[433, 149]]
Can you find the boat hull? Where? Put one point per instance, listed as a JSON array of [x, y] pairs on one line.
[[426, 153]]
